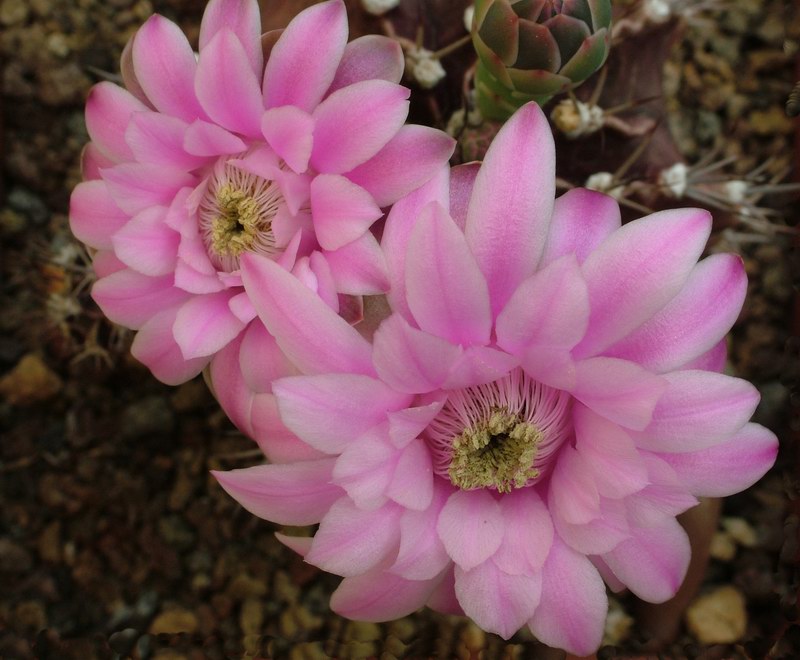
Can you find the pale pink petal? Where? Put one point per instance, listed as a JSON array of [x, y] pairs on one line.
[[380, 596], [462, 180], [471, 527], [698, 410], [621, 391], [550, 365], [192, 280], [242, 308], [411, 485], [155, 347], [243, 18], [572, 609], [397, 230], [288, 130], [261, 360], [205, 139], [109, 109], [639, 269], [165, 67], [342, 210], [608, 576], [147, 244], [299, 544], [712, 360], [229, 387], [93, 161], [603, 533], [303, 62], [410, 360], [106, 262], [158, 138], [128, 73], [359, 268], [94, 217], [653, 563], [511, 203], [610, 454], [582, 220], [205, 324], [356, 122], [665, 497], [136, 186], [369, 57], [438, 261], [728, 467], [326, 287], [528, 533], [407, 161], [550, 309], [406, 425], [311, 334], [131, 299], [496, 601], [478, 365], [422, 555], [226, 86], [443, 599], [292, 494], [350, 541], [365, 467], [573, 495], [694, 321], [277, 442], [329, 411]]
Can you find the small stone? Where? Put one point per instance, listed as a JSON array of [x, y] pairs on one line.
[[718, 617], [11, 222], [740, 531], [251, 618], [176, 532], [174, 621], [618, 624], [29, 204], [13, 557], [50, 543], [244, 586], [14, 12], [30, 616], [722, 546], [31, 381], [151, 415], [771, 121], [363, 631], [58, 45]]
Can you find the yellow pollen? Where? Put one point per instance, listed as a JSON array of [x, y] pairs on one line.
[[496, 453], [236, 227]]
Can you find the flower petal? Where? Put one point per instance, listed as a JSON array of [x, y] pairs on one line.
[[512, 201], [528, 533], [462, 180], [158, 138], [165, 68], [365, 467], [694, 321], [411, 485], [471, 527], [303, 62], [496, 601], [359, 268], [698, 410], [342, 210], [573, 605], [582, 220], [653, 563], [728, 467], [573, 495], [203, 138], [226, 86], [205, 324], [446, 291], [355, 123], [329, 411], [288, 130], [109, 109], [407, 161], [147, 244], [639, 269], [136, 186], [310, 333], [350, 541], [94, 217], [370, 57], [243, 18], [131, 299], [291, 494]]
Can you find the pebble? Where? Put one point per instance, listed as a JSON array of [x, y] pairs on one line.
[[244, 586], [49, 544], [14, 558], [618, 624], [151, 415], [718, 617], [251, 617], [740, 531], [31, 381], [14, 12], [174, 621], [29, 204], [30, 615], [722, 547]]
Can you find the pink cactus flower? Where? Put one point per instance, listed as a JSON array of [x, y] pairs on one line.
[[286, 146], [542, 401]]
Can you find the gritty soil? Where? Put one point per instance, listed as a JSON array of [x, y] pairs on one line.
[[116, 542]]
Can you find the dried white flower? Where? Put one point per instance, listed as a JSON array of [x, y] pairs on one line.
[[576, 119], [379, 7], [423, 67], [674, 180]]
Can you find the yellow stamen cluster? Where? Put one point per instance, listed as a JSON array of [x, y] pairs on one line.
[[236, 227], [497, 453]]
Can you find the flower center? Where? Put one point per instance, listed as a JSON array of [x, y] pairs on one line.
[[499, 435], [236, 215]]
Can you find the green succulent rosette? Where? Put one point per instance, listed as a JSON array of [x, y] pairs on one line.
[[531, 50]]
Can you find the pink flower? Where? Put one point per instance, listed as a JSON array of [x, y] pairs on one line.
[[540, 404], [286, 146]]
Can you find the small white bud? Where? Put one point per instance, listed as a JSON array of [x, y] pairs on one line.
[[604, 182], [469, 14], [674, 180], [379, 7], [736, 191], [424, 68], [576, 119], [657, 11]]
